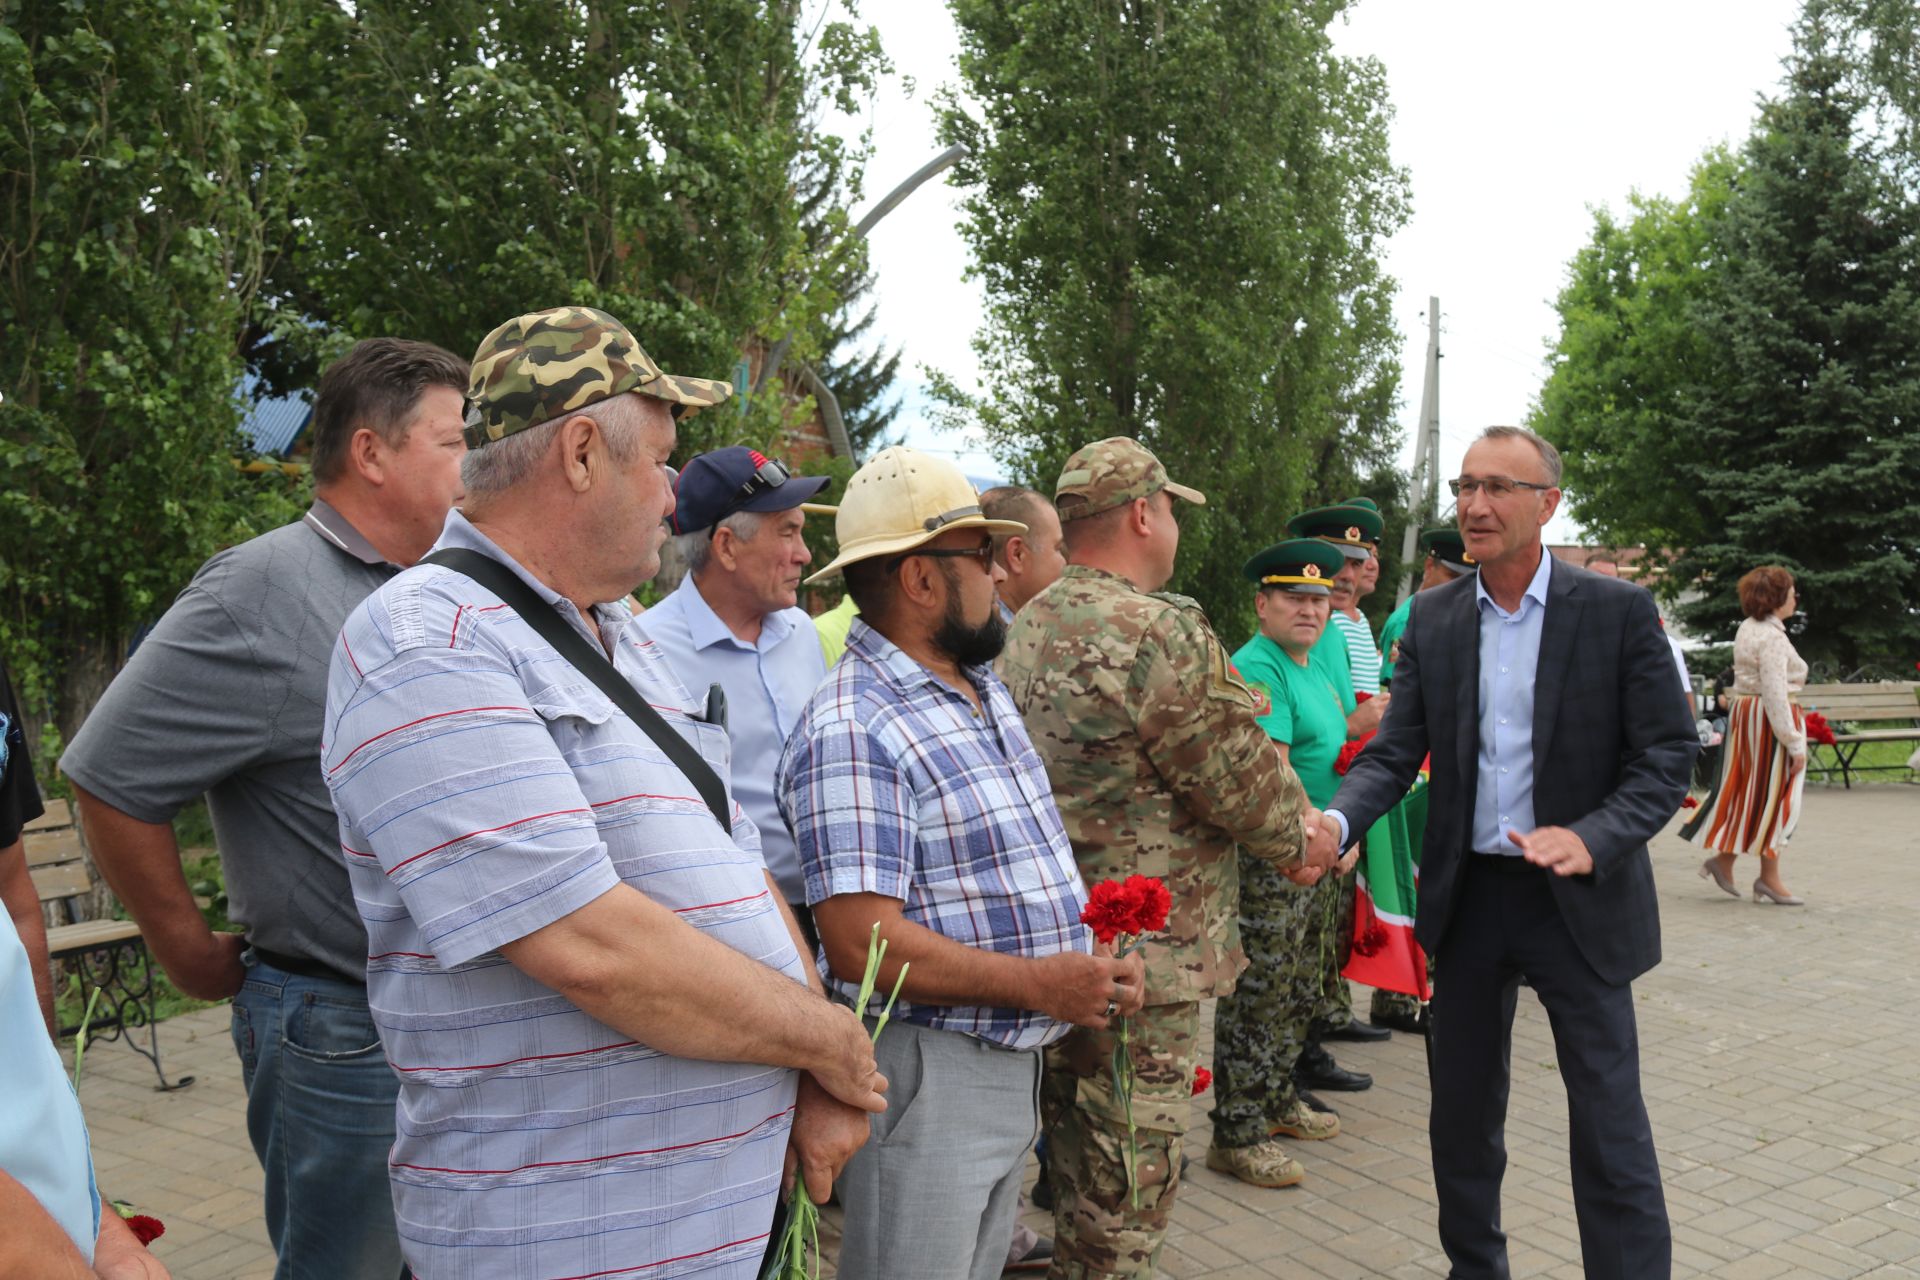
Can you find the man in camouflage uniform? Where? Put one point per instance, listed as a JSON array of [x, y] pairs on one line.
[[1159, 769]]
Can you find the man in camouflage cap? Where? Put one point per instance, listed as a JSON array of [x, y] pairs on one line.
[[539, 366], [529, 859], [1159, 768]]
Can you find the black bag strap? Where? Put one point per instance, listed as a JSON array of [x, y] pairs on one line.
[[587, 658]]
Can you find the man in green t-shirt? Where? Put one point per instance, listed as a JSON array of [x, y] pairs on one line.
[[1260, 1031]]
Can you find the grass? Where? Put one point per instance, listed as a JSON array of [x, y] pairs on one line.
[[1891, 756]]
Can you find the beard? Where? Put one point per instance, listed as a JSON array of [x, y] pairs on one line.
[[970, 646]]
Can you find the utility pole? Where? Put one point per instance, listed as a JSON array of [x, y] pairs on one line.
[[1423, 485], [828, 403]]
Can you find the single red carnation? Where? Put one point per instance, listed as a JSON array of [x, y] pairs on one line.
[[1107, 911], [145, 1229], [1689, 803], [1149, 905], [1362, 697], [1202, 1081]]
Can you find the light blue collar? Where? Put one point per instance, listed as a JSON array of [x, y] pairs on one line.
[[1536, 589], [706, 629]]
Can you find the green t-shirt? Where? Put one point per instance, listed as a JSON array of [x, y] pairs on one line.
[[1390, 632], [1336, 662], [1305, 713]]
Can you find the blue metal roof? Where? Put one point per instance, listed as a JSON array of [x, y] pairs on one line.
[[272, 423]]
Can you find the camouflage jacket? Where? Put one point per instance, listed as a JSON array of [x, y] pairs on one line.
[[1157, 762]]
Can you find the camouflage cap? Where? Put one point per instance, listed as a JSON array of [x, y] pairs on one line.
[[539, 366], [1109, 472]]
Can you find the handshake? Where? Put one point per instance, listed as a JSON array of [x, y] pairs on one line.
[[1322, 853]]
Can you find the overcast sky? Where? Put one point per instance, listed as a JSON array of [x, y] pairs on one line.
[[1511, 118]]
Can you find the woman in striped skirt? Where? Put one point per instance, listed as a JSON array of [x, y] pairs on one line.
[[1755, 803]]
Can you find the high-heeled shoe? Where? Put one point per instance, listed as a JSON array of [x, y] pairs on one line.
[[1710, 870], [1762, 893]]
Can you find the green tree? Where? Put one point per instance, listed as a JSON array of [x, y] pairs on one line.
[[140, 148], [1176, 208], [469, 161], [1807, 432], [1628, 348]]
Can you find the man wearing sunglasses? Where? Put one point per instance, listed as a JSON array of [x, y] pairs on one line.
[[734, 622], [1545, 694], [918, 804]]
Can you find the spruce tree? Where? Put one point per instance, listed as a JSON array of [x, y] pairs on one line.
[[1806, 436]]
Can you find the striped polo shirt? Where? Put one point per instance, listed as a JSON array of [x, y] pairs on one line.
[[1361, 650], [486, 789]]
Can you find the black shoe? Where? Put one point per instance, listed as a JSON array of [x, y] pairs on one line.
[[1315, 1103], [1359, 1032], [1414, 1024], [1317, 1070]]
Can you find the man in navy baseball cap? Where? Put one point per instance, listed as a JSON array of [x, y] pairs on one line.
[[724, 482], [734, 621]]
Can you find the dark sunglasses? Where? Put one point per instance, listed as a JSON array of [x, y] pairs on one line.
[[983, 553]]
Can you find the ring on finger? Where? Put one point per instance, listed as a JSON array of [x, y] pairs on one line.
[[1113, 1007]]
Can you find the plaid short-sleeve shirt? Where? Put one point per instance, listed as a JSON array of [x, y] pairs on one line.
[[893, 784]]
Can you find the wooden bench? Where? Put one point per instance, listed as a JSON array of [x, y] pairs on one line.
[[1881, 701], [108, 954]]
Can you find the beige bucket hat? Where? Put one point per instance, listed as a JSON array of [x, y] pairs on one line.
[[902, 499]]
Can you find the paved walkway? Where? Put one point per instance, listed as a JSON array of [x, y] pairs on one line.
[[1782, 1067]]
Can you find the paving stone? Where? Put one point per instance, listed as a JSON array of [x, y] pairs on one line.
[[1777, 1055]]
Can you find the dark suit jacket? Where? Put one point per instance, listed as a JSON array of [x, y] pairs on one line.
[[1612, 749]]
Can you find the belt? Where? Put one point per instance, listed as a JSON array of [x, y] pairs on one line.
[[301, 967], [1509, 863]]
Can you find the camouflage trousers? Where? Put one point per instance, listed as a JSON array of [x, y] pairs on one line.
[[1291, 939], [1336, 1007], [1097, 1231]]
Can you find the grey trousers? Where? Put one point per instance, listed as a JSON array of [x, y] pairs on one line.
[[932, 1195]]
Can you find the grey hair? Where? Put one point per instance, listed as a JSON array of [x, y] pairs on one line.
[[695, 550], [1549, 456], [498, 466]]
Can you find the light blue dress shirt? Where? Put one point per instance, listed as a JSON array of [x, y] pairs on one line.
[[43, 1140], [1509, 659], [767, 687]]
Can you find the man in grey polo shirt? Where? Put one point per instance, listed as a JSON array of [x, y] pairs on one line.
[[225, 697]]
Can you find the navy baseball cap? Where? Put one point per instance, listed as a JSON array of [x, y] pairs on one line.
[[720, 482]]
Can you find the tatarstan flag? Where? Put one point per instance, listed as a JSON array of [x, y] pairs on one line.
[[1385, 954]]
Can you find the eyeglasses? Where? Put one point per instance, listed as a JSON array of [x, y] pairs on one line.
[[1495, 486], [982, 553]]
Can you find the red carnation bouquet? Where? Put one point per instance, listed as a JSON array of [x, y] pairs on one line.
[[1122, 913], [1818, 730]]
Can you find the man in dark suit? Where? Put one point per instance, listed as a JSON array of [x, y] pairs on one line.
[[1545, 695]]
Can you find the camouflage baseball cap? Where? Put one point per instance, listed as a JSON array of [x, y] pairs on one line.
[[1109, 472], [546, 363]]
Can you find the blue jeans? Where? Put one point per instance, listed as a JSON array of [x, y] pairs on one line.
[[320, 1103]]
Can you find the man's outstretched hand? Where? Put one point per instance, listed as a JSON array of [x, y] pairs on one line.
[[1555, 848]]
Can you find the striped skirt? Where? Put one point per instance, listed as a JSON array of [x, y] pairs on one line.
[[1755, 803]]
